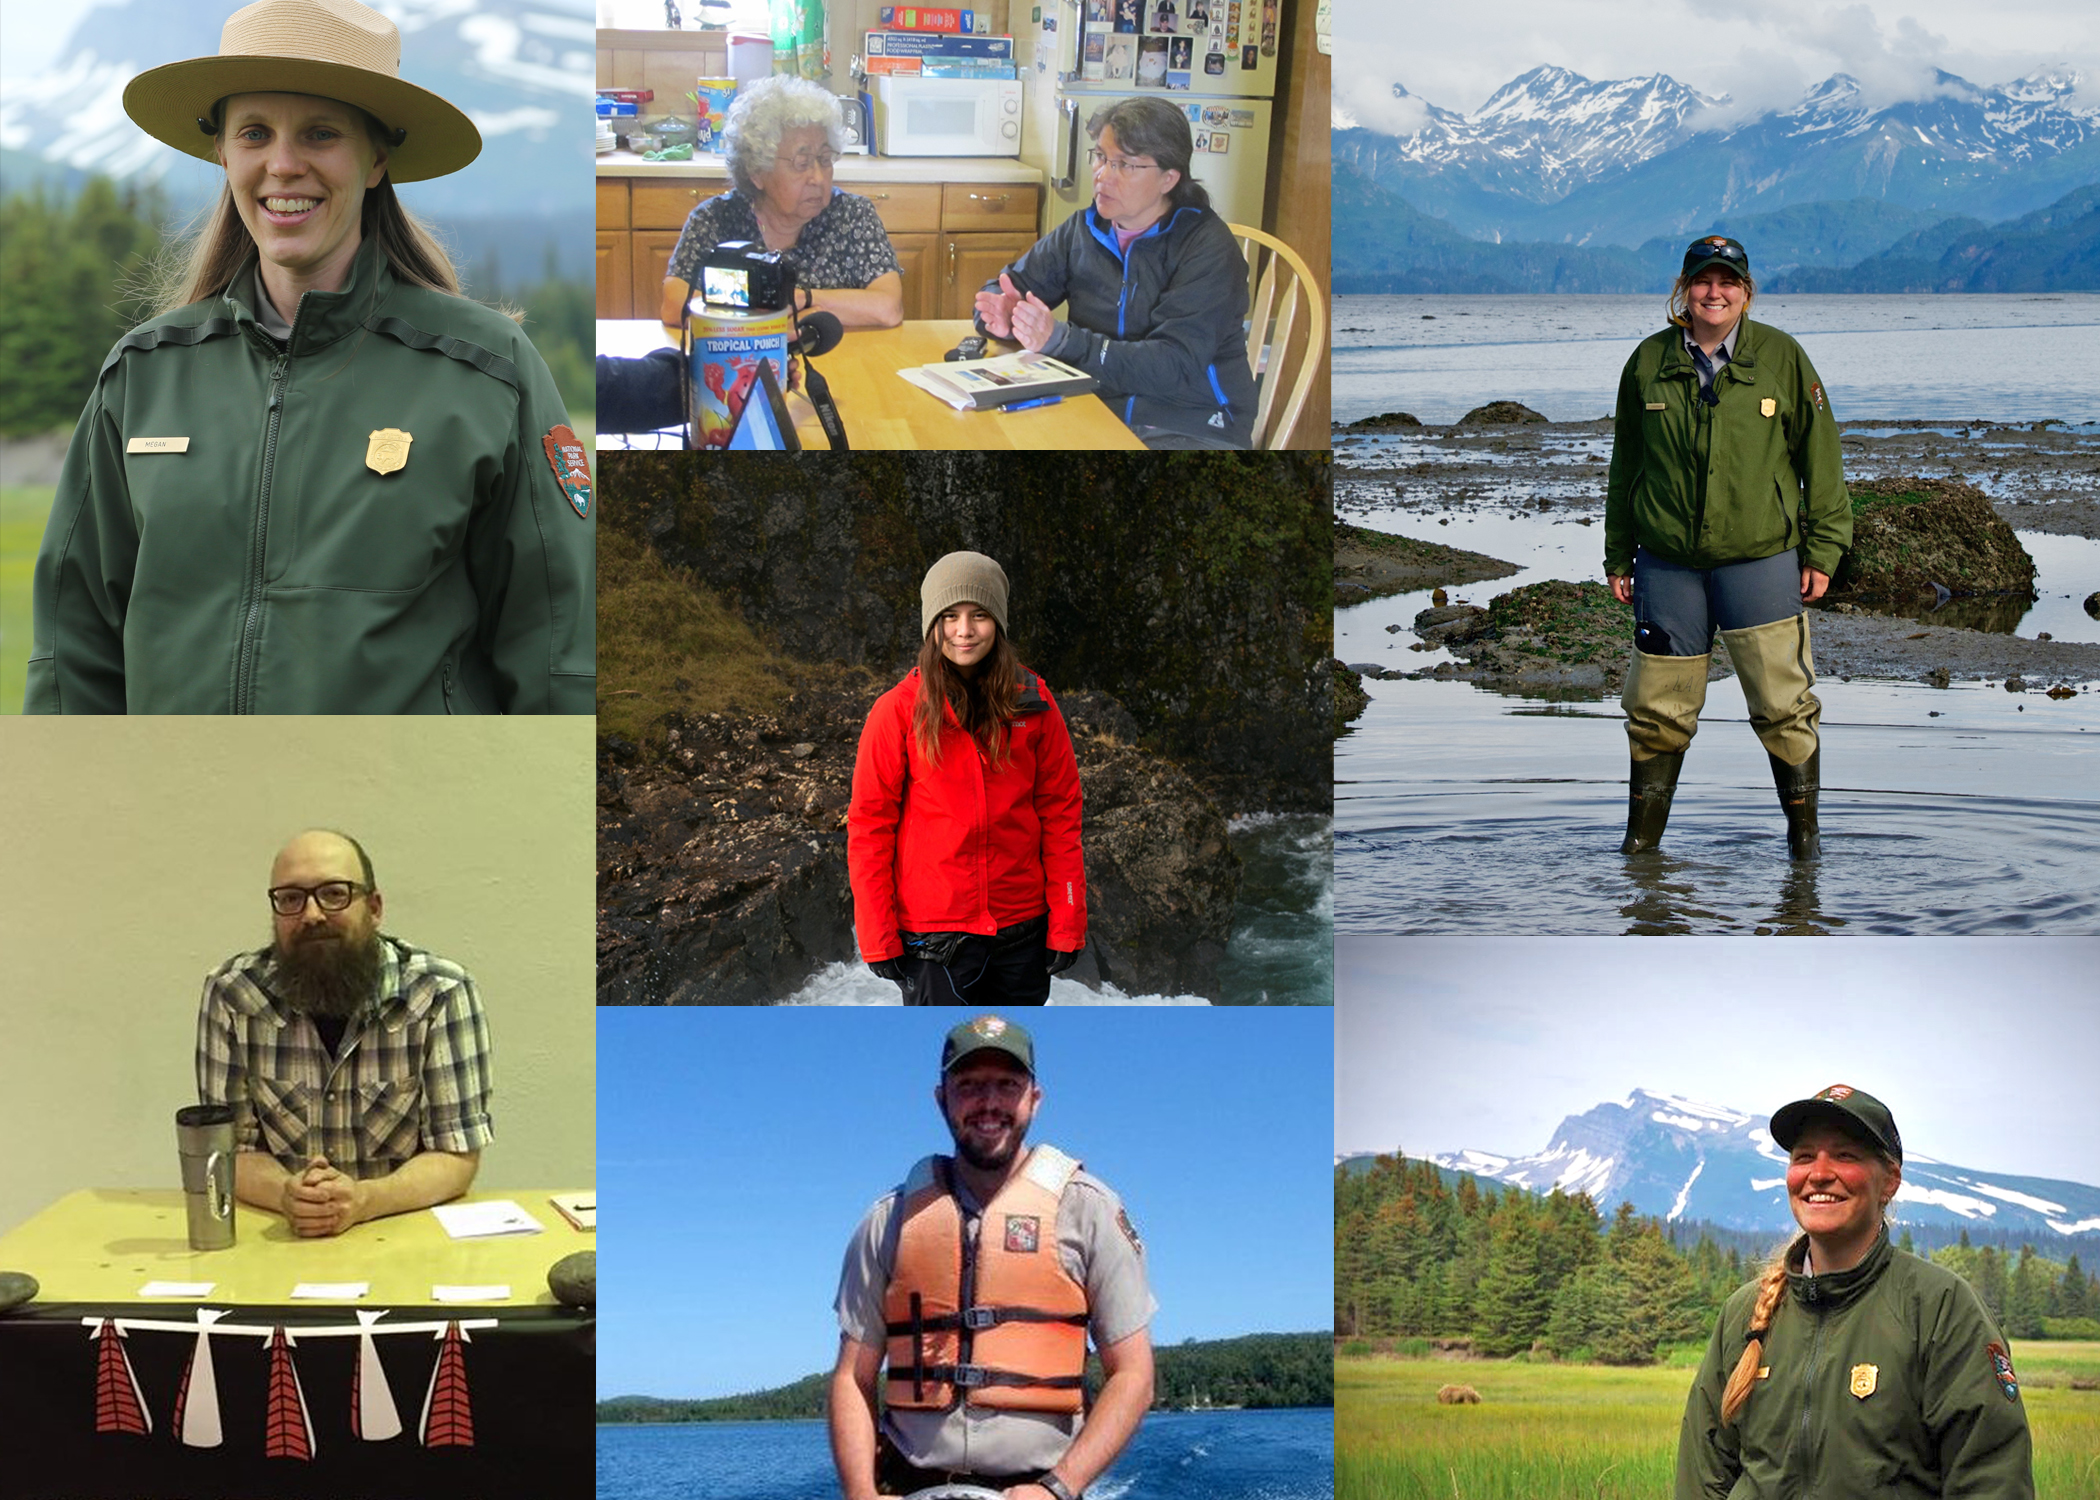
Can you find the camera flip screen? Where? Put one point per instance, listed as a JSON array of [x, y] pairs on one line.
[[725, 286]]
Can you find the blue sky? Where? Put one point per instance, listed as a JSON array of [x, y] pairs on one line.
[[737, 1148]]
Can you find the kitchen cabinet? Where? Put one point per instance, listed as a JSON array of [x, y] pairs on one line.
[[950, 237]]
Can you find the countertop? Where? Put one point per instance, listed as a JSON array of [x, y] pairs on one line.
[[851, 169]]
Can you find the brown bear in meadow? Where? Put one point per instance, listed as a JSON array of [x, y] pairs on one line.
[[1458, 1395]]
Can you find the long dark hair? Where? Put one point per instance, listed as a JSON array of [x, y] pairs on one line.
[[986, 703]]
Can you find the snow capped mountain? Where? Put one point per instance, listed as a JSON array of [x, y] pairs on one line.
[[1679, 1158], [1554, 156]]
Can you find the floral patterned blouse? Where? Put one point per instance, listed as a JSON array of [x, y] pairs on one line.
[[844, 246]]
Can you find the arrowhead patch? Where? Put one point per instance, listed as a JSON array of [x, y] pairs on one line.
[[572, 469]]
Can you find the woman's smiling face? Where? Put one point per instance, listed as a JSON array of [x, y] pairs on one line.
[[1715, 299], [1835, 1184], [967, 632], [299, 167]]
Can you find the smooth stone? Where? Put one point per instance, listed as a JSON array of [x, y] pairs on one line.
[[16, 1288], [574, 1279]]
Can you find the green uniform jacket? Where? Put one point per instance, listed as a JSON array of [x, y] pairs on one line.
[[1939, 1418], [267, 567], [1750, 478]]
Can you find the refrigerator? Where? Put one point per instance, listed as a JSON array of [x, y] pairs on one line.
[[1215, 60]]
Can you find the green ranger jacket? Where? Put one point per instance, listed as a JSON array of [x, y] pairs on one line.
[[1749, 478], [387, 515], [1886, 1381]]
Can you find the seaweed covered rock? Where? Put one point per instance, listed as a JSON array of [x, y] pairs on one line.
[[1350, 699], [1499, 413], [1910, 534], [1383, 422], [1194, 587], [1544, 635], [1368, 564], [722, 868]]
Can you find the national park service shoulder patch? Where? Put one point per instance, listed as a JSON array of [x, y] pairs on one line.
[[1129, 1229], [572, 468], [2001, 1368]]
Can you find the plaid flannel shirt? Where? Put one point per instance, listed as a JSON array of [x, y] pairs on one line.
[[413, 1075]]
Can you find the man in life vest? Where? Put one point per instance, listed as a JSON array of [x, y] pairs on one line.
[[969, 1293]]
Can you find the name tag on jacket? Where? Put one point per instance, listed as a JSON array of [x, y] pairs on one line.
[[158, 445]]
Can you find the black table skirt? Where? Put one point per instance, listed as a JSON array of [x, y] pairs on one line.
[[529, 1389]]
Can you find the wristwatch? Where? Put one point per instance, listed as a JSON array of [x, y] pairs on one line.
[[1056, 1487]]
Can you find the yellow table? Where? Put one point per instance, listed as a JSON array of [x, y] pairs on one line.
[[103, 1244], [880, 409]]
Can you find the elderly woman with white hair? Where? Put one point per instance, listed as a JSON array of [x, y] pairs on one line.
[[782, 140]]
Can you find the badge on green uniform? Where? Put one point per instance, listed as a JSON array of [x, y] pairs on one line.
[[1863, 1377], [1769, 407], [387, 450]]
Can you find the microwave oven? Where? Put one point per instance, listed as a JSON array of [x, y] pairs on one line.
[[916, 116]]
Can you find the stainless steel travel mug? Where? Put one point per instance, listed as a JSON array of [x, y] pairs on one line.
[[204, 1135]]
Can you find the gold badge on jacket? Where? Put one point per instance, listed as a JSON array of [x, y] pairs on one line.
[[1863, 1378], [387, 450], [1769, 407]]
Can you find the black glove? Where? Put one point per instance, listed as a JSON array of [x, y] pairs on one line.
[[1060, 960], [891, 969]]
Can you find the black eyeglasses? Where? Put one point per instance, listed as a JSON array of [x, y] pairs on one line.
[[329, 895], [1712, 251]]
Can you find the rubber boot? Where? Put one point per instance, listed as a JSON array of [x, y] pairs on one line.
[[1797, 796], [1648, 793]]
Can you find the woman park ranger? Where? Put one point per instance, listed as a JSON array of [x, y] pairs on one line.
[[320, 481], [1851, 1367], [962, 836], [1726, 508]]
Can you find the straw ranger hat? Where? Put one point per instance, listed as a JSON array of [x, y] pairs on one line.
[[336, 49]]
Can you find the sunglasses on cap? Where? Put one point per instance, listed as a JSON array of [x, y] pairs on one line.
[[1716, 250]]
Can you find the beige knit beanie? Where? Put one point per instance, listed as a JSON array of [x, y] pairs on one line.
[[962, 578]]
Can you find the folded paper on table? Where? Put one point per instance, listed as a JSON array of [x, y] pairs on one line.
[[177, 1288], [332, 1291], [980, 384], [468, 1221], [470, 1293]]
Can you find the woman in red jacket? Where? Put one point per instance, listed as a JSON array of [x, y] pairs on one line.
[[962, 839]]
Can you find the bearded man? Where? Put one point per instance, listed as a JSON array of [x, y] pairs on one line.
[[977, 1283], [358, 1066]]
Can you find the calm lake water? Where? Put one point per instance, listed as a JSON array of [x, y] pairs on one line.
[[2002, 358], [1281, 951], [1225, 1455]]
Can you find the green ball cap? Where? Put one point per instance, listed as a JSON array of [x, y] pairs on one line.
[[988, 1034], [1847, 1108], [1716, 249]]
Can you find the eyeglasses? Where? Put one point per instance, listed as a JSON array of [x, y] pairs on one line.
[[1121, 166], [1722, 251], [821, 161], [329, 895], [1005, 1090]]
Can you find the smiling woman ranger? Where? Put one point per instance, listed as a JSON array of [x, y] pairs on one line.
[[1851, 1367], [962, 838], [320, 481], [1725, 508]]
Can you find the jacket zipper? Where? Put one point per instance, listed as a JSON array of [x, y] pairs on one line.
[[1808, 1389], [251, 613], [1703, 451]]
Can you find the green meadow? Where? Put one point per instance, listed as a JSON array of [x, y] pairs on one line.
[[1597, 1432], [22, 512]]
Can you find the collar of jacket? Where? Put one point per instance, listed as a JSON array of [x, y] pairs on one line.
[[1832, 1290], [1742, 368], [324, 317], [1104, 232]]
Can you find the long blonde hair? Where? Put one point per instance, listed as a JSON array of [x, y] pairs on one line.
[[202, 261], [1677, 303]]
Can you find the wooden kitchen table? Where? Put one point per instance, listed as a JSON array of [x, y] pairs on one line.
[[880, 409], [246, 1394]]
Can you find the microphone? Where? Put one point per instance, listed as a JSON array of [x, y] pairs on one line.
[[819, 333]]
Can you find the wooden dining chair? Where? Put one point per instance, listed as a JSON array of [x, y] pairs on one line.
[[1284, 303]]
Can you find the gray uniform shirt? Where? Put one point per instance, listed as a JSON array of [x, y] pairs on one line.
[[1095, 1250]]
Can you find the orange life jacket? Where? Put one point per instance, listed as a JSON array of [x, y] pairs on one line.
[[997, 1323]]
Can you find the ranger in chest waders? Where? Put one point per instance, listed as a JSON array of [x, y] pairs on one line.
[[1726, 509]]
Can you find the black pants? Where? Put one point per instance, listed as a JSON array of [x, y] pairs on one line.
[[1012, 968]]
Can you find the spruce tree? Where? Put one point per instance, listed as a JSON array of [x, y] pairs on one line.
[[1511, 1307]]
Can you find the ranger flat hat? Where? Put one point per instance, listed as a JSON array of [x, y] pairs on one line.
[[336, 49], [1729, 253], [1848, 1109], [988, 1034]]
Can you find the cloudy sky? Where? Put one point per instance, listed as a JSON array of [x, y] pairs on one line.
[[1762, 55], [1984, 1049]]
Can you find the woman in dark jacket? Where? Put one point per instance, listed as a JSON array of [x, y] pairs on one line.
[[962, 837], [1155, 288], [1851, 1367], [1726, 509]]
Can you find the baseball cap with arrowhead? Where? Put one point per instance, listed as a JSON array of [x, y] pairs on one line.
[[1716, 247], [988, 1034], [1846, 1107]]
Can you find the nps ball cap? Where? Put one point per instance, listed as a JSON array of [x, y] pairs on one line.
[[987, 1034], [1852, 1111]]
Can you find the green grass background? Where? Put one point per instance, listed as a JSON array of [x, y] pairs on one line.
[[1592, 1432], [22, 512]]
